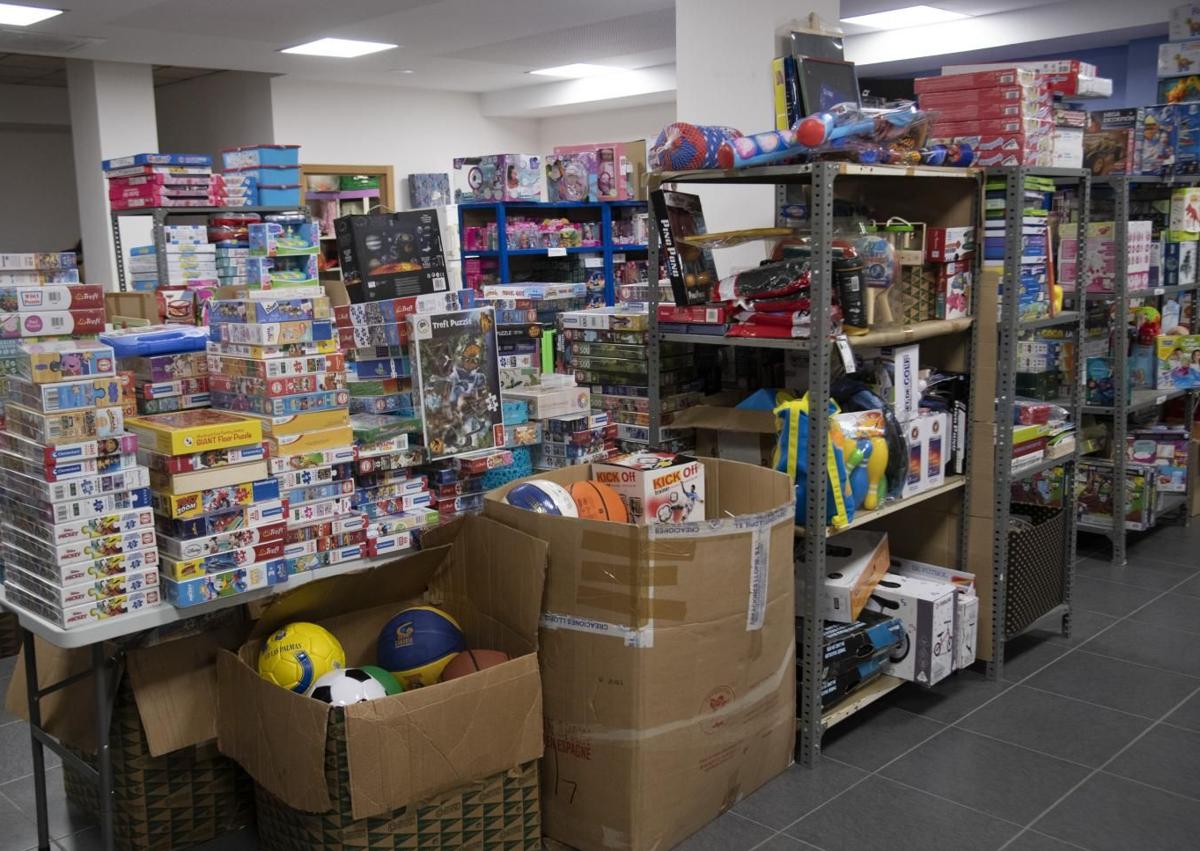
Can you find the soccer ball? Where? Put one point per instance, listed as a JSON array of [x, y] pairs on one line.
[[297, 655], [347, 686]]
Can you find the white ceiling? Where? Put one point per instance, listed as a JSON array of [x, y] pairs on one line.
[[461, 45]]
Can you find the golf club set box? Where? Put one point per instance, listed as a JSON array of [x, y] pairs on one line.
[[888, 615]]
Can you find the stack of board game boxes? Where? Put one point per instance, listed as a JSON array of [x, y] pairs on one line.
[[219, 515], [78, 528], [145, 181], [607, 349], [168, 378], [303, 415], [184, 279]]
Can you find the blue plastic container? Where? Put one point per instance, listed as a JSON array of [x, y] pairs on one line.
[[278, 196], [251, 156], [274, 175]]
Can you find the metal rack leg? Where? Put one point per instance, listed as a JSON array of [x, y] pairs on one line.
[[104, 707], [38, 750]]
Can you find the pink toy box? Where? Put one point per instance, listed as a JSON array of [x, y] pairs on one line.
[[619, 168], [498, 177]]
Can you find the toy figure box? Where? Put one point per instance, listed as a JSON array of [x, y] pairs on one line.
[[498, 177], [657, 488], [1178, 358], [627, 611], [1157, 140], [1178, 58], [1110, 141], [620, 173], [407, 748], [1184, 217], [388, 255], [1184, 22]]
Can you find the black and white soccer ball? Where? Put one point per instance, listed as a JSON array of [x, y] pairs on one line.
[[347, 686]]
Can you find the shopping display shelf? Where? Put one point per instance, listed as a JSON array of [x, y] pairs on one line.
[[873, 339], [882, 685], [774, 174], [1143, 400], [1148, 292], [1067, 317], [165, 613], [862, 518], [203, 211], [555, 252]]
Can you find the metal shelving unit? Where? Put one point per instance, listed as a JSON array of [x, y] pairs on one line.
[[606, 250], [1009, 329], [1139, 401], [160, 216], [812, 720]]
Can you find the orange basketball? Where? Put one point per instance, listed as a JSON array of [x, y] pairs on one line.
[[597, 501], [470, 661]]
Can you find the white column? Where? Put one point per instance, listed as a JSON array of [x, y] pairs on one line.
[[723, 54], [112, 115]]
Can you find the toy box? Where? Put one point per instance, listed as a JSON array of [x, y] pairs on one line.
[[1184, 22], [1178, 58], [1094, 494], [195, 431], [275, 310], [429, 190], [215, 562], [1020, 95], [59, 360], [927, 610], [1179, 264], [966, 608], [854, 564], [81, 593], [284, 238], [656, 487], [1099, 271], [253, 156], [97, 611], [65, 426], [620, 169], [1166, 450], [187, 505], [945, 245], [952, 293], [498, 177], [547, 402], [572, 177], [120, 523], [236, 539], [1178, 359], [928, 439], [1184, 217], [1187, 138], [1109, 143], [272, 333], [81, 571], [384, 256], [227, 583], [43, 323], [66, 396], [1157, 140], [52, 297], [975, 80]]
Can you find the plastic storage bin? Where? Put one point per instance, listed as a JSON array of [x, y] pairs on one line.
[[273, 175], [252, 156], [278, 196], [1035, 566]]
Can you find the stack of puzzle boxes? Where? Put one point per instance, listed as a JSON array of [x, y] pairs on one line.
[[167, 383], [277, 361], [78, 528], [219, 515], [190, 273]]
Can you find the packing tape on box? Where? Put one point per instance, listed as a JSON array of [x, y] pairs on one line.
[[629, 586]]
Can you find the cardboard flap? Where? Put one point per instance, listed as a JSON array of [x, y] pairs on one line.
[[403, 579], [276, 735], [412, 747], [726, 419], [67, 714], [175, 688]]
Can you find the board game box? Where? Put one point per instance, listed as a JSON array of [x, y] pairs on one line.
[[189, 432], [693, 274]]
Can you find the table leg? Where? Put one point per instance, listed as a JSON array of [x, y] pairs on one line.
[[38, 751], [104, 788]]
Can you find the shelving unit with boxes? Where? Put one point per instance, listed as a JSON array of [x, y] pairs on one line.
[[929, 525], [332, 191]]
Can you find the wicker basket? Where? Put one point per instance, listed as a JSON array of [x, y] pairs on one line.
[[1035, 567], [10, 635], [174, 801], [915, 297], [499, 812]]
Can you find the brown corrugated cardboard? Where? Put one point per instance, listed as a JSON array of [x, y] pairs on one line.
[[412, 746], [734, 434], [668, 661], [1194, 475]]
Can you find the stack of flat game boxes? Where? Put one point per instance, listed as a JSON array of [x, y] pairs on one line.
[[219, 515], [79, 540], [304, 416], [606, 349], [191, 272], [167, 383]]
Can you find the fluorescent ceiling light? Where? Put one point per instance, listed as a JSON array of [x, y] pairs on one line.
[[910, 16], [575, 71], [22, 16], [343, 48]]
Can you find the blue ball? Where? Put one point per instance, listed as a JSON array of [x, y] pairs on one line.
[[416, 644], [544, 497]]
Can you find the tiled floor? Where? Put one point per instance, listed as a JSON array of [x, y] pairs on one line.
[[1091, 742]]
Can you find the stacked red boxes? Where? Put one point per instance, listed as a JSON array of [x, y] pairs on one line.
[[1003, 114]]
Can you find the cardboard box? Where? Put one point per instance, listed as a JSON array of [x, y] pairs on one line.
[[927, 610], [498, 177], [966, 605], [419, 744], [1110, 141], [906, 395], [733, 434], [656, 487], [1184, 22], [1011, 76], [928, 451], [854, 563], [946, 245], [1184, 222], [1178, 58], [628, 613]]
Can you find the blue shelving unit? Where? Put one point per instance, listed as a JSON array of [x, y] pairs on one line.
[[606, 249]]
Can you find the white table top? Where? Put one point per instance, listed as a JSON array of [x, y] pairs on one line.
[[165, 613]]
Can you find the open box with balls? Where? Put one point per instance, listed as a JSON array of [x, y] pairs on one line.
[[333, 757]]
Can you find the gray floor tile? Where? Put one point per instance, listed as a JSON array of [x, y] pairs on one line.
[[783, 842], [950, 699], [797, 792], [1031, 840], [1113, 683], [1173, 544], [1150, 644], [16, 759], [1191, 587], [728, 833], [997, 778], [1109, 598], [85, 840], [1166, 757], [64, 820], [1084, 625], [914, 821], [1027, 654], [17, 833], [1109, 813], [1174, 611], [1158, 576], [877, 735], [1187, 715], [1065, 728]]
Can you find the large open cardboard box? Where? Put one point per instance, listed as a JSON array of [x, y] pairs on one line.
[[355, 768], [668, 661]]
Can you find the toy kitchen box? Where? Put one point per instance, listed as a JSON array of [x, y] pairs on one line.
[[656, 487], [498, 177], [391, 255]]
